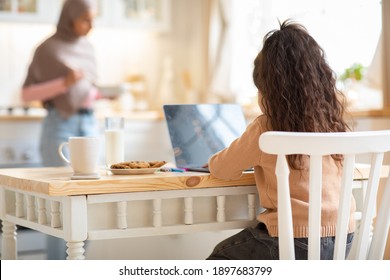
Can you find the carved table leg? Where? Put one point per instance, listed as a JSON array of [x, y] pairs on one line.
[[75, 225], [9, 243], [75, 250]]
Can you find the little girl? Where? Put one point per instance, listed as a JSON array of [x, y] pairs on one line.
[[296, 92]]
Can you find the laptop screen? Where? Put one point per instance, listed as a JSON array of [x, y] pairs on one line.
[[197, 131]]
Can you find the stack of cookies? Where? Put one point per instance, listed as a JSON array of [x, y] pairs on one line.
[[137, 164]]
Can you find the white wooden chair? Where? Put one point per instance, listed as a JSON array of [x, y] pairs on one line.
[[316, 145]]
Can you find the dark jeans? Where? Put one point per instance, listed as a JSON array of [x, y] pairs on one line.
[[257, 244]]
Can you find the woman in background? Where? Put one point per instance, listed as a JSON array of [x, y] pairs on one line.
[[62, 75], [297, 92]]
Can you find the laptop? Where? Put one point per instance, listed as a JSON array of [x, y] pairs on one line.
[[197, 131]]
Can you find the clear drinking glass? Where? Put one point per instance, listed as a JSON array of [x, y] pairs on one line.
[[115, 140]]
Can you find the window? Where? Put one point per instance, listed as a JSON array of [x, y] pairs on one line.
[[347, 30]]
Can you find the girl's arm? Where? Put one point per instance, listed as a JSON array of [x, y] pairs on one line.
[[243, 153]]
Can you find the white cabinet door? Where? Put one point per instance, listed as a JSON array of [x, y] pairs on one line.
[[144, 14], [38, 11]]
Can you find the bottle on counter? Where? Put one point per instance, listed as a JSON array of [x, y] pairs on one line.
[[126, 98], [166, 93]]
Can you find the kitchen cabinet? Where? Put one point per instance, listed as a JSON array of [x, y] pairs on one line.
[[144, 14], [38, 11], [19, 141]]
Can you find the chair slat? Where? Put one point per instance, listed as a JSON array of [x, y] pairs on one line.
[[344, 207], [315, 207], [286, 242], [363, 237], [382, 225]]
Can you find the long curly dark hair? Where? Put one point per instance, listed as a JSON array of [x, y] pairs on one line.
[[297, 86]]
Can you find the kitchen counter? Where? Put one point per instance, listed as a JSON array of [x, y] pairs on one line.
[[353, 114], [22, 114], [158, 115], [385, 112], [7, 118], [135, 115]]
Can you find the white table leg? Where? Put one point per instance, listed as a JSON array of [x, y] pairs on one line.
[[9, 243], [75, 250], [75, 225]]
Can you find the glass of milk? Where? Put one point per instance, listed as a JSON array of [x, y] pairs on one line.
[[115, 140]]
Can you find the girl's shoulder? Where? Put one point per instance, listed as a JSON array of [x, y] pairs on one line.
[[261, 123]]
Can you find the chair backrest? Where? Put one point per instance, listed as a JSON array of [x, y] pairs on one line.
[[317, 145]]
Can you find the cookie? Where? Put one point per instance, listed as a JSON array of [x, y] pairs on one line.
[[121, 165], [156, 164], [138, 164]]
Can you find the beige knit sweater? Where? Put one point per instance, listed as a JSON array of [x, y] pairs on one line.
[[244, 153]]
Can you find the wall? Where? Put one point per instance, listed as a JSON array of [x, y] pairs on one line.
[[120, 51]]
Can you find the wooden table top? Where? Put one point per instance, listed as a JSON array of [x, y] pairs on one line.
[[55, 181]]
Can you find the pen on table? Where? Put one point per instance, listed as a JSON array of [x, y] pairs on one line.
[[172, 169]]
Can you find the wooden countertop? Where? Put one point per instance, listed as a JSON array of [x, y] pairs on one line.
[[385, 112], [157, 115], [16, 118], [154, 115], [382, 113], [55, 181], [134, 115]]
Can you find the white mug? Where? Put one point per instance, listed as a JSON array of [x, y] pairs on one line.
[[84, 156]]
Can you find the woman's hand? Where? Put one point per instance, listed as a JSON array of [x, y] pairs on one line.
[[72, 77]]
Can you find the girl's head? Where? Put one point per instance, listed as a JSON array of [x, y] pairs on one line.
[[297, 87], [76, 18]]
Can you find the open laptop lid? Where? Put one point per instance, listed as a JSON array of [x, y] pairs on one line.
[[197, 131]]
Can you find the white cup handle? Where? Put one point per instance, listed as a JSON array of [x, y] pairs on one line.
[[60, 148]]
